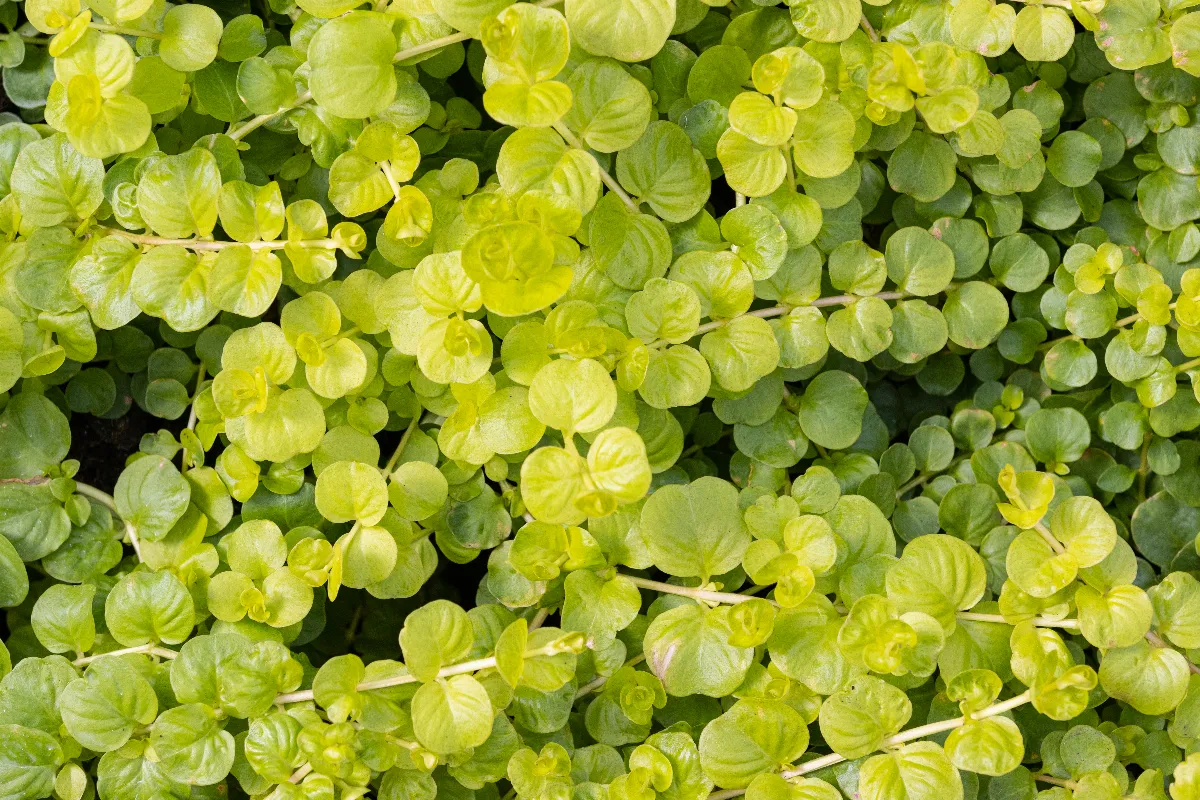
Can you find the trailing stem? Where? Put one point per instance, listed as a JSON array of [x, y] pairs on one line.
[[724, 598], [210, 245], [148, 649], [105, 499], [605, 177], [554, 648], [900, 738], [253, 124], [1123, 322], [246, 128], [592, 686], [780, 310], [1038, 622], [408, 432]]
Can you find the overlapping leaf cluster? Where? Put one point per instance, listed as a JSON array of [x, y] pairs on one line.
[[601, 400]]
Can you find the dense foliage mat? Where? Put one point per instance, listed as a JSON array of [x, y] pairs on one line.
[[600, 400]]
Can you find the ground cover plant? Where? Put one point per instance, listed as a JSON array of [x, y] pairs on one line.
[[600, 400]]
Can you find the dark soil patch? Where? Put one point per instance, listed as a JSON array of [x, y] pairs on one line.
[[102, 445]]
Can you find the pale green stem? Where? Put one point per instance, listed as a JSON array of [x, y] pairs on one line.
[[148, 649], [1132, 318], [539, 618], [779, 311], [393, 184], [868, 29], [932, 728], [105, 499], [1157, 641], [191, 420], [724, 598], [1054, 543], [953, 465], [1185, 366], [391, 463], [914, 483], [191, 244], [1050, 779], [606, 179], [1060, 3], [1153, 638], [333, 589], [900, 738], [843, 299], [1144, 466], [412, 52], [592, 686], [299, 774], [430, 46], [1038, 622], [246, 128], [210, 245], [1121, 323], [554, 648], [731, 598], [121, 31], [408, 432], [765, 313]]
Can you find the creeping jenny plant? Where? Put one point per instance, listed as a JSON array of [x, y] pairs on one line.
[[600, 400]]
